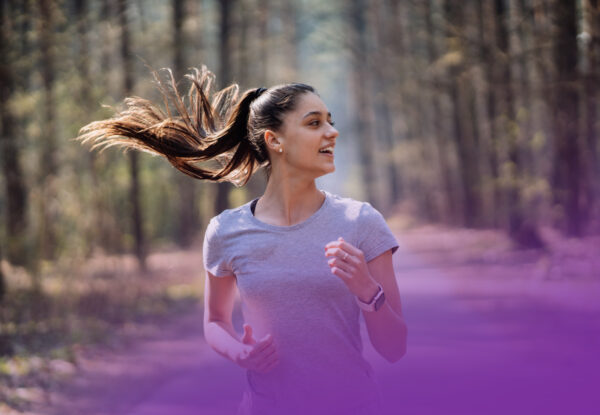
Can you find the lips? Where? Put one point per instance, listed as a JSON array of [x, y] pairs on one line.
[[327, 149]]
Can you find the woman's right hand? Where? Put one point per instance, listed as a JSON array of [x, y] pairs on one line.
[[260, 355]]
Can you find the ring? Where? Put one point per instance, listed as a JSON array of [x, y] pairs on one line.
[[345, 256]]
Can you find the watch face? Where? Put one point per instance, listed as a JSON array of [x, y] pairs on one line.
[[380, 301]]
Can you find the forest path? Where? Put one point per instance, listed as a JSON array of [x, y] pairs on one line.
[[501, 342]]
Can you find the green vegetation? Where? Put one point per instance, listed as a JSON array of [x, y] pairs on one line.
[[45, 324]]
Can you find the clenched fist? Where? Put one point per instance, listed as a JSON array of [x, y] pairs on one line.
[[260, 355]]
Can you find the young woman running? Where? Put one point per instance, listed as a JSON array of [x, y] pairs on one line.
[[306, 262]]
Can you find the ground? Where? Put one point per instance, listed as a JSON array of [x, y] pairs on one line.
[[491, 331]]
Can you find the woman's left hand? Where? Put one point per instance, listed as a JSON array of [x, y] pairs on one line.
[[348, 263]]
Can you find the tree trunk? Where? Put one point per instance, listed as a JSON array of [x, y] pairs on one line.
[[450, 202], [386, 35], [16, 195], [2, 280], [48, 165], [567, 172], [487, 53], [136, 209], [187, 217], [262, 18], [462, 138], [224, 78], [363, 110], [93, 232], [592, 19], [506, 100], [289, 17]]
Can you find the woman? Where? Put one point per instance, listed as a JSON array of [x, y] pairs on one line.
[[306, 262]]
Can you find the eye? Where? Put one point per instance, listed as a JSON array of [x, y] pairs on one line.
[[314, 122], [332, 123]]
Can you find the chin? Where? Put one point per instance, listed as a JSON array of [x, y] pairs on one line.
[[327, 171]]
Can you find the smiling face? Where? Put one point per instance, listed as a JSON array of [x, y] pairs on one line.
[[308, 137]]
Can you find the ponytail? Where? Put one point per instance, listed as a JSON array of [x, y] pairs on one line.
[[202, 131]]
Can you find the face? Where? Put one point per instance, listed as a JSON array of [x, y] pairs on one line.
[[306, 132]]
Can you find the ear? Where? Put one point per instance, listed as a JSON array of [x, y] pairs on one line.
[[272, 139]]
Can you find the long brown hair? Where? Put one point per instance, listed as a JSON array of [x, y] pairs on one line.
[[219, 126]]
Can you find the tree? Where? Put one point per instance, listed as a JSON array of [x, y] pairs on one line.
[[459, 91], [187, 215], [16, 195], [224, 78], [135, 188], [592, 38], [363, 110], [48, 167], [565, 103]]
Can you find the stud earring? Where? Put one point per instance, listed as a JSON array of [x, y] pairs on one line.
[[281, 150]]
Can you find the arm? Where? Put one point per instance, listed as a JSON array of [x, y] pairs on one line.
[[219, 298], [386, 326], [247, 352]]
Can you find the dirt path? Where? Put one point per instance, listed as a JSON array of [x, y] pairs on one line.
[[477, 344]]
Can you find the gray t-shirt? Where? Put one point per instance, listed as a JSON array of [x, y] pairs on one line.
[[287, 289]]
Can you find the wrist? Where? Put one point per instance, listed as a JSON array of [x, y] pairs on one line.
[[369, 292]]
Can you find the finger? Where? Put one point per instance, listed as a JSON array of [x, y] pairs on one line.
[[268, 339], [247, 336], [335, 251], [265, 351], [262, 348], [348, 247], [340, 273], [341, 254], [264, 360], [344, 265]]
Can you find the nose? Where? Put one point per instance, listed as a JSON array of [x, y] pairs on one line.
[[332, 132]]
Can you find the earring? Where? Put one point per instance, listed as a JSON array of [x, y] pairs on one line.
[[280, 150]]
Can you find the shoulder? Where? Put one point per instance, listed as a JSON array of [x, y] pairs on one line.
[[350, 208], [353, 209], [227, 219]]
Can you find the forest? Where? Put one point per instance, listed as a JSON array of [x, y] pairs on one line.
[[478, 114]]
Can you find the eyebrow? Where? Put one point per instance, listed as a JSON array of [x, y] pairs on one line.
[[315, 113]]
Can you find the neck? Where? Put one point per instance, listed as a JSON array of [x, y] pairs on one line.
[[288, 200]]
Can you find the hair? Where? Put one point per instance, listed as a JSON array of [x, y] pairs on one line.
[[213, 126]]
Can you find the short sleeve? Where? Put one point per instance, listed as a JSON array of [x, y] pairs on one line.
[[374, 235], [213, 255]]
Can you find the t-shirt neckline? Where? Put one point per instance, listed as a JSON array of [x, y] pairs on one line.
[[307, 221]]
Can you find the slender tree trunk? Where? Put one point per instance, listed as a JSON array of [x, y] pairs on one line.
[[16, 196], [463, 140], [507, 103], [48, 165], [592, 125], [487, 53], [289, 16], [450, 202], [187, 218], [567, 172], [387, 35], [109, 234], [135, 188], [2, 279], [363, 111], [94, 232], [224, 78], [264, 6]]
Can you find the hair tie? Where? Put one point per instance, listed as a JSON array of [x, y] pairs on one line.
[[259, 92]]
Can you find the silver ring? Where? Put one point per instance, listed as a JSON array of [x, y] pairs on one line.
[[345, 256]]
